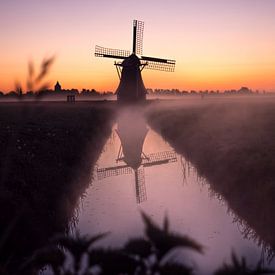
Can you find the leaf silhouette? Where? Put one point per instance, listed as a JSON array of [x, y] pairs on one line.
[[164, 241], [30, 76], [77, 246], [77, 243], [112, 261], [138, 246], [33, 83], [175, 268], [240, 267], [166, 224], [44, 68], [51, 256]]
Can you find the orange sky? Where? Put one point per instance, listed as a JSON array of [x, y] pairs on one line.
[[218, 44]]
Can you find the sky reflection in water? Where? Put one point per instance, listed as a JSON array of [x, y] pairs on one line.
[[173, 188]]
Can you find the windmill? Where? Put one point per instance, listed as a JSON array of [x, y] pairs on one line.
[[131, 87], [130, 158]]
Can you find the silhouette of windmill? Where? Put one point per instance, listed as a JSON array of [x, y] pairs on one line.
[[131, 159], [131, 87]]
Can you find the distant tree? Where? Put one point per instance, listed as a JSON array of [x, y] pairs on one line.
[[30, 93], [12, 94], [244, 90], [94, 92], [74, 91], [110, 93]]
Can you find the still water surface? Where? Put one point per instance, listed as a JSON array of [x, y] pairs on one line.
[[164, 183]]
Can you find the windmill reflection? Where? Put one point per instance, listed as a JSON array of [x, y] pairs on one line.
[[131, 159]]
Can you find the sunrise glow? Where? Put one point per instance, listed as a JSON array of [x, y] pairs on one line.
[[217, 44]]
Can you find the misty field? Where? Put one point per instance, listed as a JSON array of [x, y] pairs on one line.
[[232, 145], [47, 153]]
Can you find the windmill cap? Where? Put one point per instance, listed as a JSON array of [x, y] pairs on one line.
[[131, 60]]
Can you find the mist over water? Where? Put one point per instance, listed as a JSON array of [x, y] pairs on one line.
[[138, 170]]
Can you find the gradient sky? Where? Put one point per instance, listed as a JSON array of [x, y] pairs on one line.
[[218, 44]]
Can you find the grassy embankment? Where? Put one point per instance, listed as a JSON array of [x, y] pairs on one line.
[[232, 144], [47, 153]]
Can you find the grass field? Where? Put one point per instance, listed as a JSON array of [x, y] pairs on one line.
[[232, 144], [47, 154]]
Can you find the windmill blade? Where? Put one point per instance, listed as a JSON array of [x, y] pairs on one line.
[[160, 60], [103, 173], [141, 195], [160, 64], [110, 53], [138, 27], [159, 158]]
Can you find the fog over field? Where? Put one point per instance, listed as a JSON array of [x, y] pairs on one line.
[[52, 153], [232, 144]]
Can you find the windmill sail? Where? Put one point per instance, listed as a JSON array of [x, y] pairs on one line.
[[147, 161], [160, 64], [103, 173], [131, 87], [159, 158], [141, 195], [131, 159], [138, 27], [111, 53]]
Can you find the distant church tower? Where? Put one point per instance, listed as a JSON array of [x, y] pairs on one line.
[[57, 87]]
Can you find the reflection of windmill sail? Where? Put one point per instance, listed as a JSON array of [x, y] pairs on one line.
[[159, 158], [131, 159], [140, 185], [113, 171]]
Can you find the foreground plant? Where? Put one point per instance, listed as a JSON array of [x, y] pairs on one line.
[[150, 254], [240, 267], [36, 81]]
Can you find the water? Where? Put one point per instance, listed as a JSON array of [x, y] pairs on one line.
[[164, 184]]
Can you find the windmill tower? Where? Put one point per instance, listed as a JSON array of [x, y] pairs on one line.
[[131, 87]]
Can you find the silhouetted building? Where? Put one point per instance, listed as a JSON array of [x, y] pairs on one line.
[[131, 87], [57, 87]]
